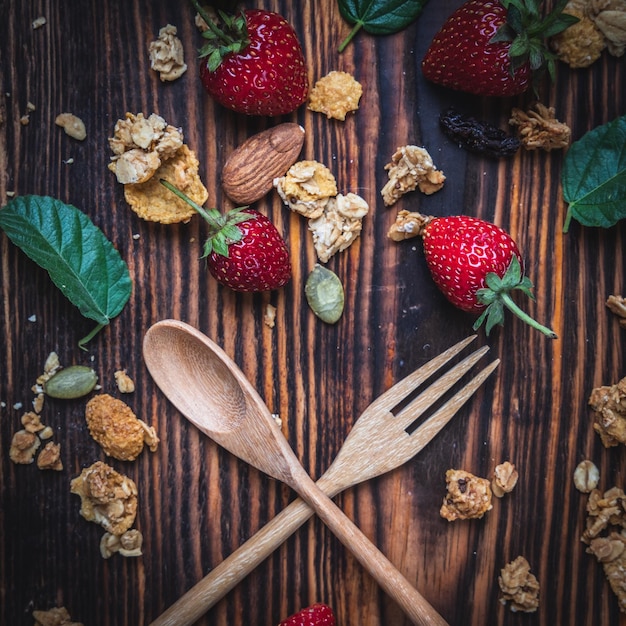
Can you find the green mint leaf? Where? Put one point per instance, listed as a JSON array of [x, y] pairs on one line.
[[594, 176], [378, 17], [80, 260]]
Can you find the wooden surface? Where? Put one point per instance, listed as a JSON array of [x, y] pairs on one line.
[[198, 503]]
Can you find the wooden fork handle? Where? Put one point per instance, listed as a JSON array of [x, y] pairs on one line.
[[415, 606]]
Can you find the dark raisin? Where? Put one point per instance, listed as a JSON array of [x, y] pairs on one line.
[[478, 136], [462, 485]]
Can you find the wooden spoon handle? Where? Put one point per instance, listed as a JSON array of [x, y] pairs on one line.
[[190, 607], [415, 606]]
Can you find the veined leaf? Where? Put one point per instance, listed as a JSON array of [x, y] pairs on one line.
[[378, 17], [80, 260], [594, 176]]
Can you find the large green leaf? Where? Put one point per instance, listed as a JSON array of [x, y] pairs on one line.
[[379, 17], [594, 176], [80, 260]]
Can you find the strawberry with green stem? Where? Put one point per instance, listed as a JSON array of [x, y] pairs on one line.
[[495, 47], [476, 265], [253, 63], [244, 250]]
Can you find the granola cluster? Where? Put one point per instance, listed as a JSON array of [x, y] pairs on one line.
[[538, 128], [167, 56], [518, 586], [504, 479], [335, 220], [601, 25], [617, 305], [27, 441], [114, 425], [335, 95], [411, 167], [58, 616], [609, 408], [605, 536], [468, 496], [107, 497]]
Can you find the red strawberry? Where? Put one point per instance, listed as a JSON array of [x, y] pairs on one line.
[[315, 615], [244, 250], [253, 64], [476, 265], [494, 47]]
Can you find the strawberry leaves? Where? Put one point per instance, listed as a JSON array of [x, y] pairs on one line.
[[594, 176], [378, 17], [496, 296]]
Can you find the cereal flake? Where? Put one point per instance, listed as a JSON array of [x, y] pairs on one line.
[[504, 479], [72, 125], [335, 95], [124, 382], [167, 54], [519, 586]]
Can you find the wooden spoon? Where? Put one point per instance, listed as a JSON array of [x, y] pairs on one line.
[[208, 388]]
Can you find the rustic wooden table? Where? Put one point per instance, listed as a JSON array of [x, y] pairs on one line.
[[197, 503]]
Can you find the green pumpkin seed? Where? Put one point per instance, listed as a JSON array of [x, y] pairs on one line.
[[71, 382], [324, 293]]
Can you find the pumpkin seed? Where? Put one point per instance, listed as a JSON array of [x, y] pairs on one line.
[[324, 293], [71, 382]]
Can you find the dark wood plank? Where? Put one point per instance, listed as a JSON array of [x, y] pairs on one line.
[[197, 503]]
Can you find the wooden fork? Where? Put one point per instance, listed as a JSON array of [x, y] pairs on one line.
[[377, 443]]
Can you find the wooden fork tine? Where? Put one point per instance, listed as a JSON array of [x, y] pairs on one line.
[[431, 427], [395, 394], [437, 388]]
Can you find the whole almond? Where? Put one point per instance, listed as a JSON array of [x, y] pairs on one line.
[[250, 170]]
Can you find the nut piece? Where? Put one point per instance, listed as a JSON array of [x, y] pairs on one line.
[[617, 306], [107, 497], [586, 476], [124, 382], [129, 544], [72, 125], [24, 445], [250, 170], [117, 429], [609, 406], [335, 95], [50, 457], [411, 167], [306, 188], [519, 586], [468, 496], [504, 479], [58, 616], [539, 128], [167, 55]]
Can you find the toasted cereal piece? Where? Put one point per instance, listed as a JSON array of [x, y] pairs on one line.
[[581, 44], [50, 457], [117, 429], [72, 125], [335, 95], [128, 544], [154, 203], [519, 586], [468, 496], [307, 187], [107, 497], [504, 479], [124, 382], [538, 128]]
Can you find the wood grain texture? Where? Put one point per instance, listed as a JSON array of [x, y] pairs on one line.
[[198, 503]]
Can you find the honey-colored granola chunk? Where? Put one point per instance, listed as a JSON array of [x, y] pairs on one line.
[[57, 616], [335, 95], [114, 425], [50, 457], [538, 128], [124, 382], [609, 408], [129, 544], [411, 167], [167, 56], [307, 187], [519, 586], [24, 445], [151, 201], [407, 225], [611, 553], [468, 496], [504, 479], [582, 43], [140, 145], [107, 497]]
